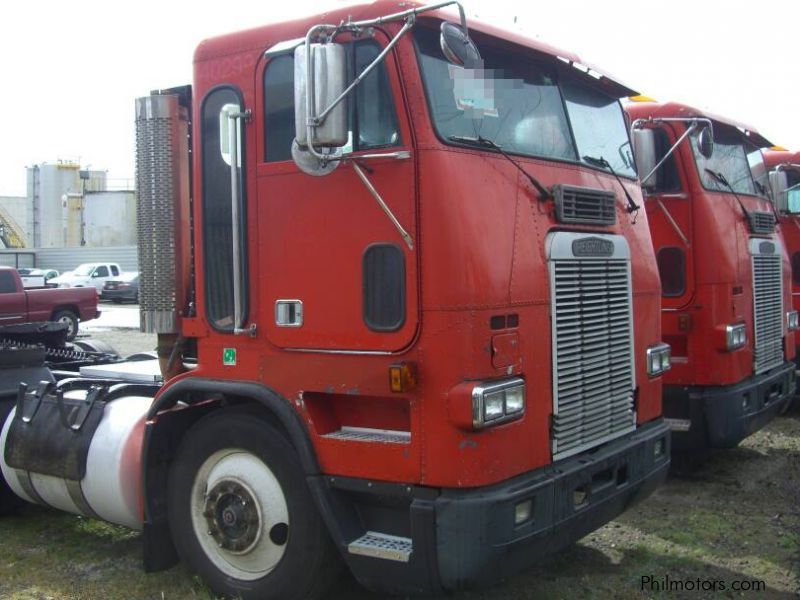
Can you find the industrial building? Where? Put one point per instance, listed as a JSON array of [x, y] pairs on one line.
[[68, 207]]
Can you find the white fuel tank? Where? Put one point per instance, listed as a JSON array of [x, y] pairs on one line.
[[112, 486]]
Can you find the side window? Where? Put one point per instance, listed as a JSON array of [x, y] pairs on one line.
[[373, 120], [101, 271], [114, 270], [667, 178], [672, 270], [279, 108], [216, 202], [7, 285]]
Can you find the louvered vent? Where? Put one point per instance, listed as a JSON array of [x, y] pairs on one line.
[[762, 222], [584, 205], [592, 341], [768, 304]]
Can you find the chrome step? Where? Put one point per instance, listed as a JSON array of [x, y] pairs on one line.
[[382, 545], [363, 434]]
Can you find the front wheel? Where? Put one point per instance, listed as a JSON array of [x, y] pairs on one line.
[[242, 515]]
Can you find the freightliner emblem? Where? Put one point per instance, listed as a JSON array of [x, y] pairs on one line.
[[766, 248], [592, 246]]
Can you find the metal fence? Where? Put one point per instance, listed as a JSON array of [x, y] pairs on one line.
[[66, 259]]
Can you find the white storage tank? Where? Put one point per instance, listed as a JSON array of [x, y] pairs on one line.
[[110, 218]]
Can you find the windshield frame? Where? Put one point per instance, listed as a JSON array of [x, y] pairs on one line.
[[551, 66]]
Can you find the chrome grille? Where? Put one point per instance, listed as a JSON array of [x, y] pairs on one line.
[[767, 305], [584, 205], [593, 376]]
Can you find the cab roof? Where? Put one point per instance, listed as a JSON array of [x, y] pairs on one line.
[[773, 158], [261, 38], [645, 110]]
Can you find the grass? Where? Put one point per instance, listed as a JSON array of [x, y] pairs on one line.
[[736, 519]]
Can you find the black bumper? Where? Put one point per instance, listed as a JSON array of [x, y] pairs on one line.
[[721, 417], [468, 538]]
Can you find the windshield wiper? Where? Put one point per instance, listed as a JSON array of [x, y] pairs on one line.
[[544, 193], [602, 162], [720, 178]]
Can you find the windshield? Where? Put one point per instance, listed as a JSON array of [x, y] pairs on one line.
[[83, 270], [522, 107], [599, 127], [729, 159], [516, 105]]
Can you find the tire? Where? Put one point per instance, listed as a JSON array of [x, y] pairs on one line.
[[263, 537], [71, 320]]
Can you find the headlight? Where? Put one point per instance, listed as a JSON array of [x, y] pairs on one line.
[[658, 359], [497, 402], [792, 320], [735, 336]]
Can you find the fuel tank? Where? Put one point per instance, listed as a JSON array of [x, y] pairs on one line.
[[78, 452]]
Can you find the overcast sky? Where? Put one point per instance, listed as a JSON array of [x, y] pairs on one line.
[[71, 70]]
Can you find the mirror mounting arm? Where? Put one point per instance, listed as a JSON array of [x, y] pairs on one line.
[[409, 16], [693, 125]]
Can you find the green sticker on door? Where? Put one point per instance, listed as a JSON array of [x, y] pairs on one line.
[[229, 357]]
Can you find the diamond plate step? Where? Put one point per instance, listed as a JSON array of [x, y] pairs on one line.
[[362, 434], [382, 545]]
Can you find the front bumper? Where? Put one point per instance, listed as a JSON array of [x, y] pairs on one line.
[[722, 416], [468, 537]]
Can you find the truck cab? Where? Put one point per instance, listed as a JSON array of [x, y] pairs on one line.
[[784, 174], [727, 311], [407, 307]]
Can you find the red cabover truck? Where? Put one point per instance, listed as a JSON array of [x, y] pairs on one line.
[[727, 312], [408, 313], [784, 175]]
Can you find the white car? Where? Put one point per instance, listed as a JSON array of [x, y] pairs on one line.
[[88, 275], [37, 277]]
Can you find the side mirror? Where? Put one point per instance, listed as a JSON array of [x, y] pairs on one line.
[[327, 79], [95, 274], [644, 151], [705, 142], [458, 47], [779, 183]]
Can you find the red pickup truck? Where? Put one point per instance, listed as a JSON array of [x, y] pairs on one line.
[[68, 306]]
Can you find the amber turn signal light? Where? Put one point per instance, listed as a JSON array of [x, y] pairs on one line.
[[402, 377]]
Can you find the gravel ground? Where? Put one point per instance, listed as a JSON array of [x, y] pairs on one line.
[[735, 519]]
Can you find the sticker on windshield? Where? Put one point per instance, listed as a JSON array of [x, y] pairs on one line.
[[473, 90]]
